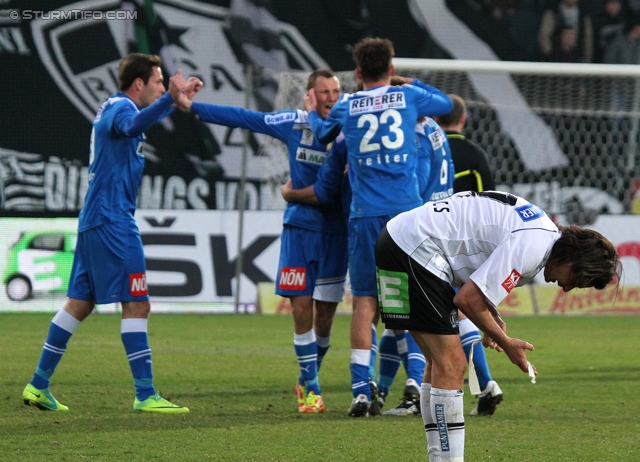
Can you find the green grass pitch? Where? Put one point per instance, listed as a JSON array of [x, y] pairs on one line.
[[236, 374]]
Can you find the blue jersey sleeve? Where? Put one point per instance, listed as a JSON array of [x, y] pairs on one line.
[[328, 129], [277, 125], [132, 123], [331, 173], [437, 103]]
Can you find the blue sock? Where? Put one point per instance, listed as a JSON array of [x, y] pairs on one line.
[[307, 352], [323, 347], [62, 326], [133, 332], [374, 351], [469, 333], [360, 360], [389, 361], [416, 362]]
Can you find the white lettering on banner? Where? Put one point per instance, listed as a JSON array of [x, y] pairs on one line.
[[377, 103]]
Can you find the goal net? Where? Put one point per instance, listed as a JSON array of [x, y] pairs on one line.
[[564, 136]]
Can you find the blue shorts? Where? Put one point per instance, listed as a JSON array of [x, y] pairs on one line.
[[108, 265], [363, 233], [312, 263]]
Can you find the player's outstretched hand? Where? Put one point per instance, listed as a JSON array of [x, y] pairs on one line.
[[176, 85], [516, 350], [193, 86], [309, 101]]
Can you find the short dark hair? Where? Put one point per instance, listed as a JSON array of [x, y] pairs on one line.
[[134, 66], [594, 259], [311, 81], [373, 57], [452, 118]]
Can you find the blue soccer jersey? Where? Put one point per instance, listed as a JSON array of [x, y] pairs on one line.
[[306, 154], [435, 170], [379, 129], [116, 160]]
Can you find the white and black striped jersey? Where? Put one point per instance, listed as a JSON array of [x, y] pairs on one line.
[[496, 239]]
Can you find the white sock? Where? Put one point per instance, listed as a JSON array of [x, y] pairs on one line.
[[447, 411], [433, 439]]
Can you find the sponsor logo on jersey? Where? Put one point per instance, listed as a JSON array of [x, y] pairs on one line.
[[293, 278], [283, 117], [307, 137], [512, 281], [392, 100], [310, 155], [138, 284], [384, 159], [437, 139], [530, 212]]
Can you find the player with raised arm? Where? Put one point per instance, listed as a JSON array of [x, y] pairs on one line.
[[378, 124], [313, 256], [108, 263], [485, 244]]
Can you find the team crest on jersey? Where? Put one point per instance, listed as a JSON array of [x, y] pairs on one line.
[[512, 281], [138, 285], [437, 139], [293, 278], [307, 137], [310, 155], [453, 317], [530, 212]]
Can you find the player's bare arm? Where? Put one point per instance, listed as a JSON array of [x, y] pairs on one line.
[[474, 305], [305, 195], [176, 85]]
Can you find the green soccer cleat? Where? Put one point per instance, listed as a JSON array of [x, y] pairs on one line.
[[42, 399], [314, 404], [156, 403], [301, 394]]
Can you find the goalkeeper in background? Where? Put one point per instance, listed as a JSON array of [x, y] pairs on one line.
[[313, 250]]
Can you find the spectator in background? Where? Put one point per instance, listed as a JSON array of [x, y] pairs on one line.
[[567, 13], [521, 20], [625, 48], [609, 23], [565, 49], [633, 7]]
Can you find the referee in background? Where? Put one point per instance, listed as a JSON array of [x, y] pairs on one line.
[[473, 172]]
